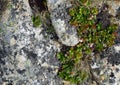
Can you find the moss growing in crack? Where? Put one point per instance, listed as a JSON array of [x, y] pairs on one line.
[[36, 21], [94, 35]]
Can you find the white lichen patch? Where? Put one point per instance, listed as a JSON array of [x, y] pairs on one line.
[[117, 48]]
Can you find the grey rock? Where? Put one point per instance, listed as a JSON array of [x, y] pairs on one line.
[[60, 20], [25, 54], [108, 65]]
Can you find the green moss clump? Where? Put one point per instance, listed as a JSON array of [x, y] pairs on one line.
[[36, 21], [93, 37]]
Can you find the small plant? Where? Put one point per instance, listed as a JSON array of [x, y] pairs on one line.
[[73, 68], [36, 21], [93, 37]]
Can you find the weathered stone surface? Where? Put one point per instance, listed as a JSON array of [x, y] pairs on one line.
[[60, 20], [106, 67], [26, 55]]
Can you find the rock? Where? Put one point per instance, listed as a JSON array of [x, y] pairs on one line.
[[27, 57], [25, 51], [108, 65], [60, 20], [114, 10]]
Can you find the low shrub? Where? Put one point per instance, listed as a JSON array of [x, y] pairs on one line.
[[93, 38]]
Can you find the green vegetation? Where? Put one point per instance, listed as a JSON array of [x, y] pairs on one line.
[[93, 37], [73, 68], [36, 21]]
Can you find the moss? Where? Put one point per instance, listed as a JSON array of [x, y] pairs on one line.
[[36, 21], [94, 37]]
